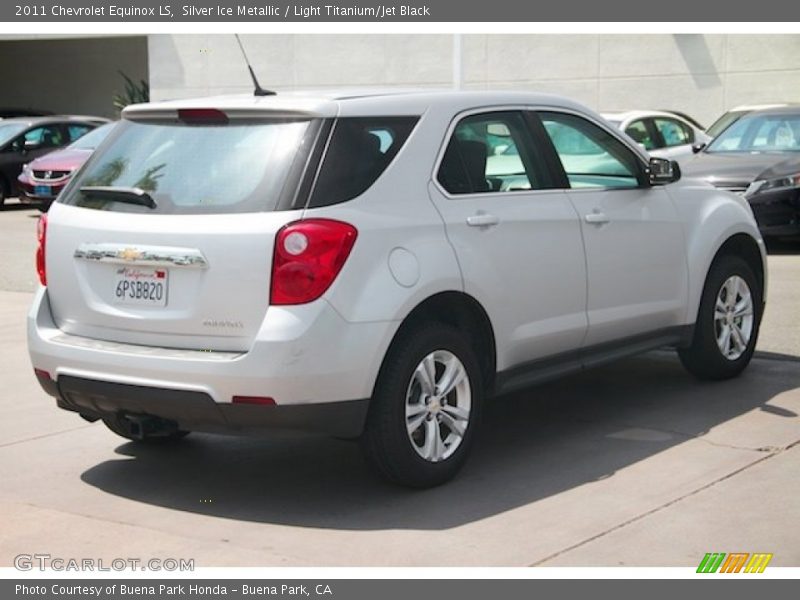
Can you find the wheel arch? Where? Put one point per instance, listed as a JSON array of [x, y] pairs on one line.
[[463, 312], [745, 246]]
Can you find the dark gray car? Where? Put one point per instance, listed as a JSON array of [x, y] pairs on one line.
[[758, 156]]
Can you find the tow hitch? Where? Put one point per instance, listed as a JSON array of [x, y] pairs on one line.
[[142, 426]]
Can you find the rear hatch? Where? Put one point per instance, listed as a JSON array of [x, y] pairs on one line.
[[165, 237]]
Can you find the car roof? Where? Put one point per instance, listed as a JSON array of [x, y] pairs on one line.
[[33, 121], [752, 107], [792, 111], [352, 102], [628, 115]]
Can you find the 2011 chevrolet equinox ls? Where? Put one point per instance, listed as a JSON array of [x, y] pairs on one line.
[[375, 266]]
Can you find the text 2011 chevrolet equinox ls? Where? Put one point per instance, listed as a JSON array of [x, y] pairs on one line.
[[375, 266]]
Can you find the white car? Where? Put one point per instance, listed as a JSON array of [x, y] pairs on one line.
[[663, 134], [375, 266]]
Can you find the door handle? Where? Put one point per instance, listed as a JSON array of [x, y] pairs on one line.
[[596, 218], [482, 220]]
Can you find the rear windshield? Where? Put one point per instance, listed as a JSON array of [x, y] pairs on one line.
[[197, 169], [252, 167]]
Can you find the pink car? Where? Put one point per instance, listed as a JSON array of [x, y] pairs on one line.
[[43, 179]]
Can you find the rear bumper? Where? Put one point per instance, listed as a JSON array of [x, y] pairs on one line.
[[315, 365], [196, 411]]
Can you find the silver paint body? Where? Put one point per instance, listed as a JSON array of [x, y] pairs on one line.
[[555, 270]]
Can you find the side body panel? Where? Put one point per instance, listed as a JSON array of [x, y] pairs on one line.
[[710, 218]]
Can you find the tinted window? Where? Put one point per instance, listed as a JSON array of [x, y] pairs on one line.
[[638, 133], [77, 131], [196, 169], [488, 153], [359, 150], [673, 132], [591, 156], [9, 130], [724, 122], [766, 133], [48, 136], [91, 140]]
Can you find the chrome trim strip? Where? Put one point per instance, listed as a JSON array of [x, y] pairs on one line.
[[139, 350], [156, 256]]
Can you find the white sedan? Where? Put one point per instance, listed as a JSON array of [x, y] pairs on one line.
[[662, 134]]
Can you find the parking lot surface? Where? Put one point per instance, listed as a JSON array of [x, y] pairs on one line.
[[633, 464]]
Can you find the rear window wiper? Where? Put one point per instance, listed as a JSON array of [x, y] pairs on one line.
[[131, 195]]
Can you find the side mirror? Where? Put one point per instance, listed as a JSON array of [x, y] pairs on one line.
[[31, 145], [662, 171], [698, 146]]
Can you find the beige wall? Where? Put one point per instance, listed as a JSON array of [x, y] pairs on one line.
[[701, 74], [69, 75]]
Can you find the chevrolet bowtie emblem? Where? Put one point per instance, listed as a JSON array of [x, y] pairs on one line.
[[130, 254]]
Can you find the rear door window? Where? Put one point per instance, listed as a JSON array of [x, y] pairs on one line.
[[490, 152], [639, 133], [77, 131], [197, 169], [359, 150], [47, 136], [674, 132]]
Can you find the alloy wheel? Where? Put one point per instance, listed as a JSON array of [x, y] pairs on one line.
[[437, 409], [733, 317]]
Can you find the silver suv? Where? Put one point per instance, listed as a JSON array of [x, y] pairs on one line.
[[375, 266]]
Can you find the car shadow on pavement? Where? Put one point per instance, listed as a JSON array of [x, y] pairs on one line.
[[6, 207], [534, 445]]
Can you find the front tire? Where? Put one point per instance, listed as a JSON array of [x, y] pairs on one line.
[[727, 322], [426, 408]]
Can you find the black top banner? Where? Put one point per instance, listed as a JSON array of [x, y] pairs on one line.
[[44, 11]]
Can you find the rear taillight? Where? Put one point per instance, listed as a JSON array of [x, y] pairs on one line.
[[308, 256], [41, 236]]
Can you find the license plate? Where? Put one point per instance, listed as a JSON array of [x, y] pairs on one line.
[[42, 190], [142, 287]]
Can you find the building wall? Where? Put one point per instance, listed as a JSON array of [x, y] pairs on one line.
[[74, 75], [700, 74]]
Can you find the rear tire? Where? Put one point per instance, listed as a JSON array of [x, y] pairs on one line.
[[117, 425], [727, 322], [426, 408], [4, 191]]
